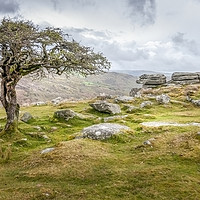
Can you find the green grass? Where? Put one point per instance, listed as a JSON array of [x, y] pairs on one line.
[[121, 167]]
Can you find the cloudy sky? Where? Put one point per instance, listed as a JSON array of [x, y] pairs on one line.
[[159, 35]]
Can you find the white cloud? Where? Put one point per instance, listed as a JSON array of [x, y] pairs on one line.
[[134, 34]]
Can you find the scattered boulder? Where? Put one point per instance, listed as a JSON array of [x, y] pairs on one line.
[[103, 131], [103, 106], [151, 80], [123, 99], [135, 92], [65, 114], [26, 117], [145, 104], [163, 99], [184, 78]]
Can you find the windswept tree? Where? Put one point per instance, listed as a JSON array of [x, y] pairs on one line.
[[25, 49]]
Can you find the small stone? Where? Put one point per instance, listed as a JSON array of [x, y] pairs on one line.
[[26, 117], [47, 150], [45, 137], [38, 128], [163, 99], [146, 104], [54, 128], [147, 142], [198, 133]]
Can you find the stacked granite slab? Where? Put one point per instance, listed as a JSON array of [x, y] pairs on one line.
[[185, 78], [151, 80]]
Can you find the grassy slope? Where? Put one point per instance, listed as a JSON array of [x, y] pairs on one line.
[[118, 168]]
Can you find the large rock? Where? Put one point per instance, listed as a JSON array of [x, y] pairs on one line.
[[103, 106], [152, 80], [103, 131], [65, 114], [184, 78], [26, 117]]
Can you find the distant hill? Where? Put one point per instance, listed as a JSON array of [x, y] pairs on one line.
[[140, 72], [75, 87]]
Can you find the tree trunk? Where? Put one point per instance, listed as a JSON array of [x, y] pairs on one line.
[[9, 102]]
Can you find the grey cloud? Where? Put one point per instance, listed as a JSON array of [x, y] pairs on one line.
[[86, 2], [8, 6], [57, 4], [190, 46], [177, 54], [103, 42], [142, 11]]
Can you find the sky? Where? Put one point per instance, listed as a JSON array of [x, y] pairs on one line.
[[155, 35]]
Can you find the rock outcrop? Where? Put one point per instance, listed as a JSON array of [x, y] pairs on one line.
[[104, 106], [103, 131], [184, 78], [151, 80]]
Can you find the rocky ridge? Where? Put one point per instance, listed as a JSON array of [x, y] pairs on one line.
[[155, 80]]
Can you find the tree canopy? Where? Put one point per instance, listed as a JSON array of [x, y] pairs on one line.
[[27, 49]]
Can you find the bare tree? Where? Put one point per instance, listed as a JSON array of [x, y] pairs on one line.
[[27, 49]]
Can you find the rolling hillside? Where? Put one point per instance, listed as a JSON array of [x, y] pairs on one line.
[[74, 87]]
